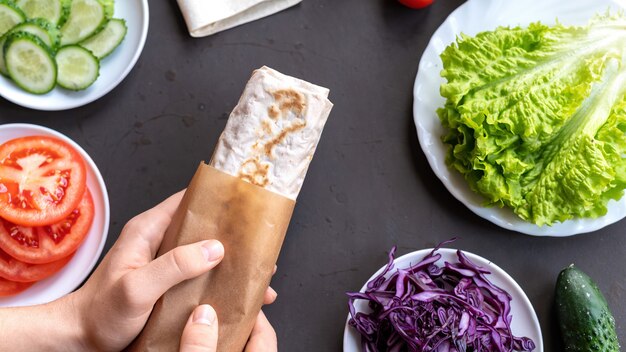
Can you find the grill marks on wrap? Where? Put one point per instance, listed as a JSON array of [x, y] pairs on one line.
[[286, 101], [290, 100], [255, 172]]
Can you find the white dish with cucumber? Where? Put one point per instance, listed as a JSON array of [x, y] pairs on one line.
[[62, 54]]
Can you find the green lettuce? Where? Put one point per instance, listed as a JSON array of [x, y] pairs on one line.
[[536, 117]]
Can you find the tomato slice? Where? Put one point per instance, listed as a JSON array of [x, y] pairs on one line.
[[42, 180], [11, 288], [46, 244], [16, 270]]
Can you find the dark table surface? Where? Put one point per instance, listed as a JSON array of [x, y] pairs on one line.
[[369, 187]]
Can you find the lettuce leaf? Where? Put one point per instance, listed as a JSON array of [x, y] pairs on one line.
[[536, 116]]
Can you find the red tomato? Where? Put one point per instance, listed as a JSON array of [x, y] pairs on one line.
[[15, 270], [42, 180], [46, 244], [416, 4], [10, 288]]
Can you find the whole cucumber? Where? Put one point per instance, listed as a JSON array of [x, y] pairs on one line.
[[584, 317]]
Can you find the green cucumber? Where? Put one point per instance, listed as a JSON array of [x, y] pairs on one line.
[[3, 66], [53, 11], [78, 68], [584, 317], [103, 43], [30, 63], [87, 17], [41, 29], [10, 16], [109, 7]]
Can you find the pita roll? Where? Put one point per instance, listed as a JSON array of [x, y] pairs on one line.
[[244, 198], [206, 17], [271, 135]]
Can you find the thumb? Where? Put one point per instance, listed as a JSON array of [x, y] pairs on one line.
[[180, 264], [200, 334]]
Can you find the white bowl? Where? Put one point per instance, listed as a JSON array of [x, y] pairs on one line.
[[524, 323], [471, 18], [113, 69], [86, 257]]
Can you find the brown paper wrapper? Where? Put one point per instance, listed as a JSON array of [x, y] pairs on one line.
[[251, 222]]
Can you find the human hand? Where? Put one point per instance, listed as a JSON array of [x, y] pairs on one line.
[[200, 334], [115, 303]]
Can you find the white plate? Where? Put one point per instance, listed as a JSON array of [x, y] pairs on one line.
[[113, 69], [524, 323], [77, 270], [471, 18]]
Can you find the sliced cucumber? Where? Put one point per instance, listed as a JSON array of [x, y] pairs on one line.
[[30, 63], [50, 10], [42, 29], [10, 16], [39, 28], [87, 17], [3, 66], [109, 7], [103, 43], [78, 67]]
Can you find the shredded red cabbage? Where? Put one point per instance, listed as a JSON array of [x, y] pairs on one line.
[[449, 308]]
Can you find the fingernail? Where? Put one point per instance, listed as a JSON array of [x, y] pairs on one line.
[[204, 314], [213, 250]]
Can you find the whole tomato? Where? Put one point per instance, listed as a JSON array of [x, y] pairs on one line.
[[416, 4]]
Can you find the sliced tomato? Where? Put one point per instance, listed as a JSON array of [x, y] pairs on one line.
[[16, 270], [46, 244], [11, 288], [42, 180]]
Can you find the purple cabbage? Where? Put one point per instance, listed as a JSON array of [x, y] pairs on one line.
[[425, 307]]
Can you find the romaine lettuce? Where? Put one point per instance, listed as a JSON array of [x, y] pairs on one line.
[[536, 116]]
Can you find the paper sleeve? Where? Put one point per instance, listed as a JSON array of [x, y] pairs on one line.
[[251, 222]]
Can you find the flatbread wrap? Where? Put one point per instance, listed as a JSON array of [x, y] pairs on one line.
[[245, 198]]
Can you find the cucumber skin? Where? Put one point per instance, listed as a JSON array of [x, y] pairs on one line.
[[65, 12], [13, 5], [585, 321], [23, 35]]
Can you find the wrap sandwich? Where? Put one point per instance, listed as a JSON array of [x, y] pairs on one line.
[[244, 197]]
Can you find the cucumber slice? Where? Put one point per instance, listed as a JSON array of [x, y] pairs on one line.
[[30, 63], [50, 10], [10, 16], [87, 17], [109, 7], [103, 43], [3, 66], [37, 27], [78, 67], [42, 29]]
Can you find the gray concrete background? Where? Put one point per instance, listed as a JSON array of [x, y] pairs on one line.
[[369, 187]]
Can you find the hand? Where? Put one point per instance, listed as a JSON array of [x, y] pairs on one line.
[[200, 334], [116, 301], [109, 311]]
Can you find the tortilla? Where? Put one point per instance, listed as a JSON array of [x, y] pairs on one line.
[[272, 133], [206, 17]]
